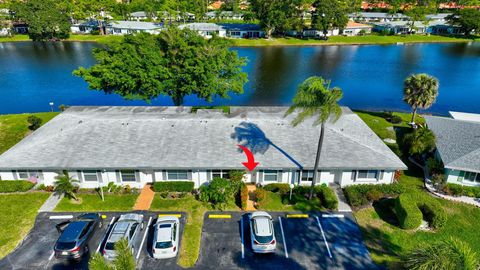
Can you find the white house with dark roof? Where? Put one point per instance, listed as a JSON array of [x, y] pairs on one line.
[[458, 146], [139, 145], [206, 30], [131, 27]]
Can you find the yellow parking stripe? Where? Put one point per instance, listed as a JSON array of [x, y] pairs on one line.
[[104, 216], [170, 215], [297, 215], [219, 216]]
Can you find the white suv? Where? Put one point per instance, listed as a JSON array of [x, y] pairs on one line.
[[262, 233]]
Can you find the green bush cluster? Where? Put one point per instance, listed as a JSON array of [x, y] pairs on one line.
[[218, 192], [408, 213], [328, 197], [459, 190], [281, 188], [433, 213], [360, 195], [173, 186], [244, 196], [8, 186], [260, 196], [323, 194]]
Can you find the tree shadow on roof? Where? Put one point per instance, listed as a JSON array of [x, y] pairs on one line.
[[252, 136]]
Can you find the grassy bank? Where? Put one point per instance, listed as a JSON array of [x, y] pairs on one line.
[[17, 216], [14, 127], [193, 228], [383, 237], [336, 40], [93, 202]]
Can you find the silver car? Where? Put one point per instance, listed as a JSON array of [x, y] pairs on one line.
[[262, 233], [128, 226], [166, 238]]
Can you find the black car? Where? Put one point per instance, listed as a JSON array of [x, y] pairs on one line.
[[75, 235]]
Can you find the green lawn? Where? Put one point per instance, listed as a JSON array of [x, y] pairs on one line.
[[193, 228], [385, 240], [273, 202], [14, 127], [17, 216], [93, 202]]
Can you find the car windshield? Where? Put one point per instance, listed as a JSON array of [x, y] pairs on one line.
[[168, 244], [110, 246], [65, 245]]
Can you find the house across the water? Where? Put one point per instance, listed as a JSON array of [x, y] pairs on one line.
[[139, 145], [131, 27], [458, 146]]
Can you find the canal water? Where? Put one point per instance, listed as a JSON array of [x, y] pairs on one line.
[[371, 76]]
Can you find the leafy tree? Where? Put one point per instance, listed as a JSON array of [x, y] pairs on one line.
[[329, 14], [418, 12], [448, 254], [45, 19], [468, 19], [275, 15], [219, 191], [66, 185], [420, 91], [124, 259], [34, 122], [420, 141], [315, 98], [176, 63]]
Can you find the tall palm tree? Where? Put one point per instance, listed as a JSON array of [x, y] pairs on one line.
[[66, 185], [315, 98], [420, 91], [123, 260]]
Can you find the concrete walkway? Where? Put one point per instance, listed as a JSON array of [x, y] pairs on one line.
[[251, 198], [145, 198], [50, 204], [343, 206], [429, 186]]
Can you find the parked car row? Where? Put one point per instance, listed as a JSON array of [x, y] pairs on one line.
[[75, 234]]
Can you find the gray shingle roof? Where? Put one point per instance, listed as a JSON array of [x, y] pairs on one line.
[[134, 25], [458, 142], [172, 137], [202, 26]]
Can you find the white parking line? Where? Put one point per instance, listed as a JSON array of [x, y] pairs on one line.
[[283, 237], [324, 239], [243, 249], [101, 241], [143, 240], [333, 216], [61, 217], [51, 256]]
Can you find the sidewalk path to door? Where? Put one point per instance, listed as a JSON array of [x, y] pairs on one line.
[[145, 198], [251, 198], [343, 206], [50, 204]]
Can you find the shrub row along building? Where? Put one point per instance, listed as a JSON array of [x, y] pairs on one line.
[[139, 145]]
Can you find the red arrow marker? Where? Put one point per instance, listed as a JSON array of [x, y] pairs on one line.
[[250, 164]]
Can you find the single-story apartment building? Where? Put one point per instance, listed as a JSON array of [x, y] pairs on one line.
[[458, 146], [405, 27], [242, 30], [131, 27], [354, 29], [138, 145], [84, 27], [377, 17], [223, 15], [206, 30]]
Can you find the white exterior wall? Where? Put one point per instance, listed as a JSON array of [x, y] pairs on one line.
[[356, 31], [7, 175], [347, 179], [452, 176], [205, 34]]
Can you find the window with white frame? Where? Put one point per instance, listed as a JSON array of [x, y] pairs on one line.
[[25, 174], [90, 176], [471, 176], [128, 176], [367, 175], [307, 176], [177, 175], [270, 176], [221, 174]]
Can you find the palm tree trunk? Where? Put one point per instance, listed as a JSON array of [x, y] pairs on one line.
[[414, 113], [317, 160]]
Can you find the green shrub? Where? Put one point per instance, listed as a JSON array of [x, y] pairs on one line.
[[360, 195], [395, 119], [260, 196], [34, 122], [218, 192], [8, 186], [407, 211], [471, 191], [281, 188], [173, 186], [236, 179], [433, 213], [374, 195], [244, 196], [435, 166], [453, 189], [164, 194], [328, 197], [355, 197]]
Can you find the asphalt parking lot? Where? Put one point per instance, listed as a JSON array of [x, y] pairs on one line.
[[314, 241], [36, 250]]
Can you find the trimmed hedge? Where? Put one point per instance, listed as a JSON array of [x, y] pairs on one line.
[[8, 186], [260, 196], [328, 197], [278, 188], [459, 190], [360, 195], [173, 186], [408, 213], [433, 213], [244, 196]]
